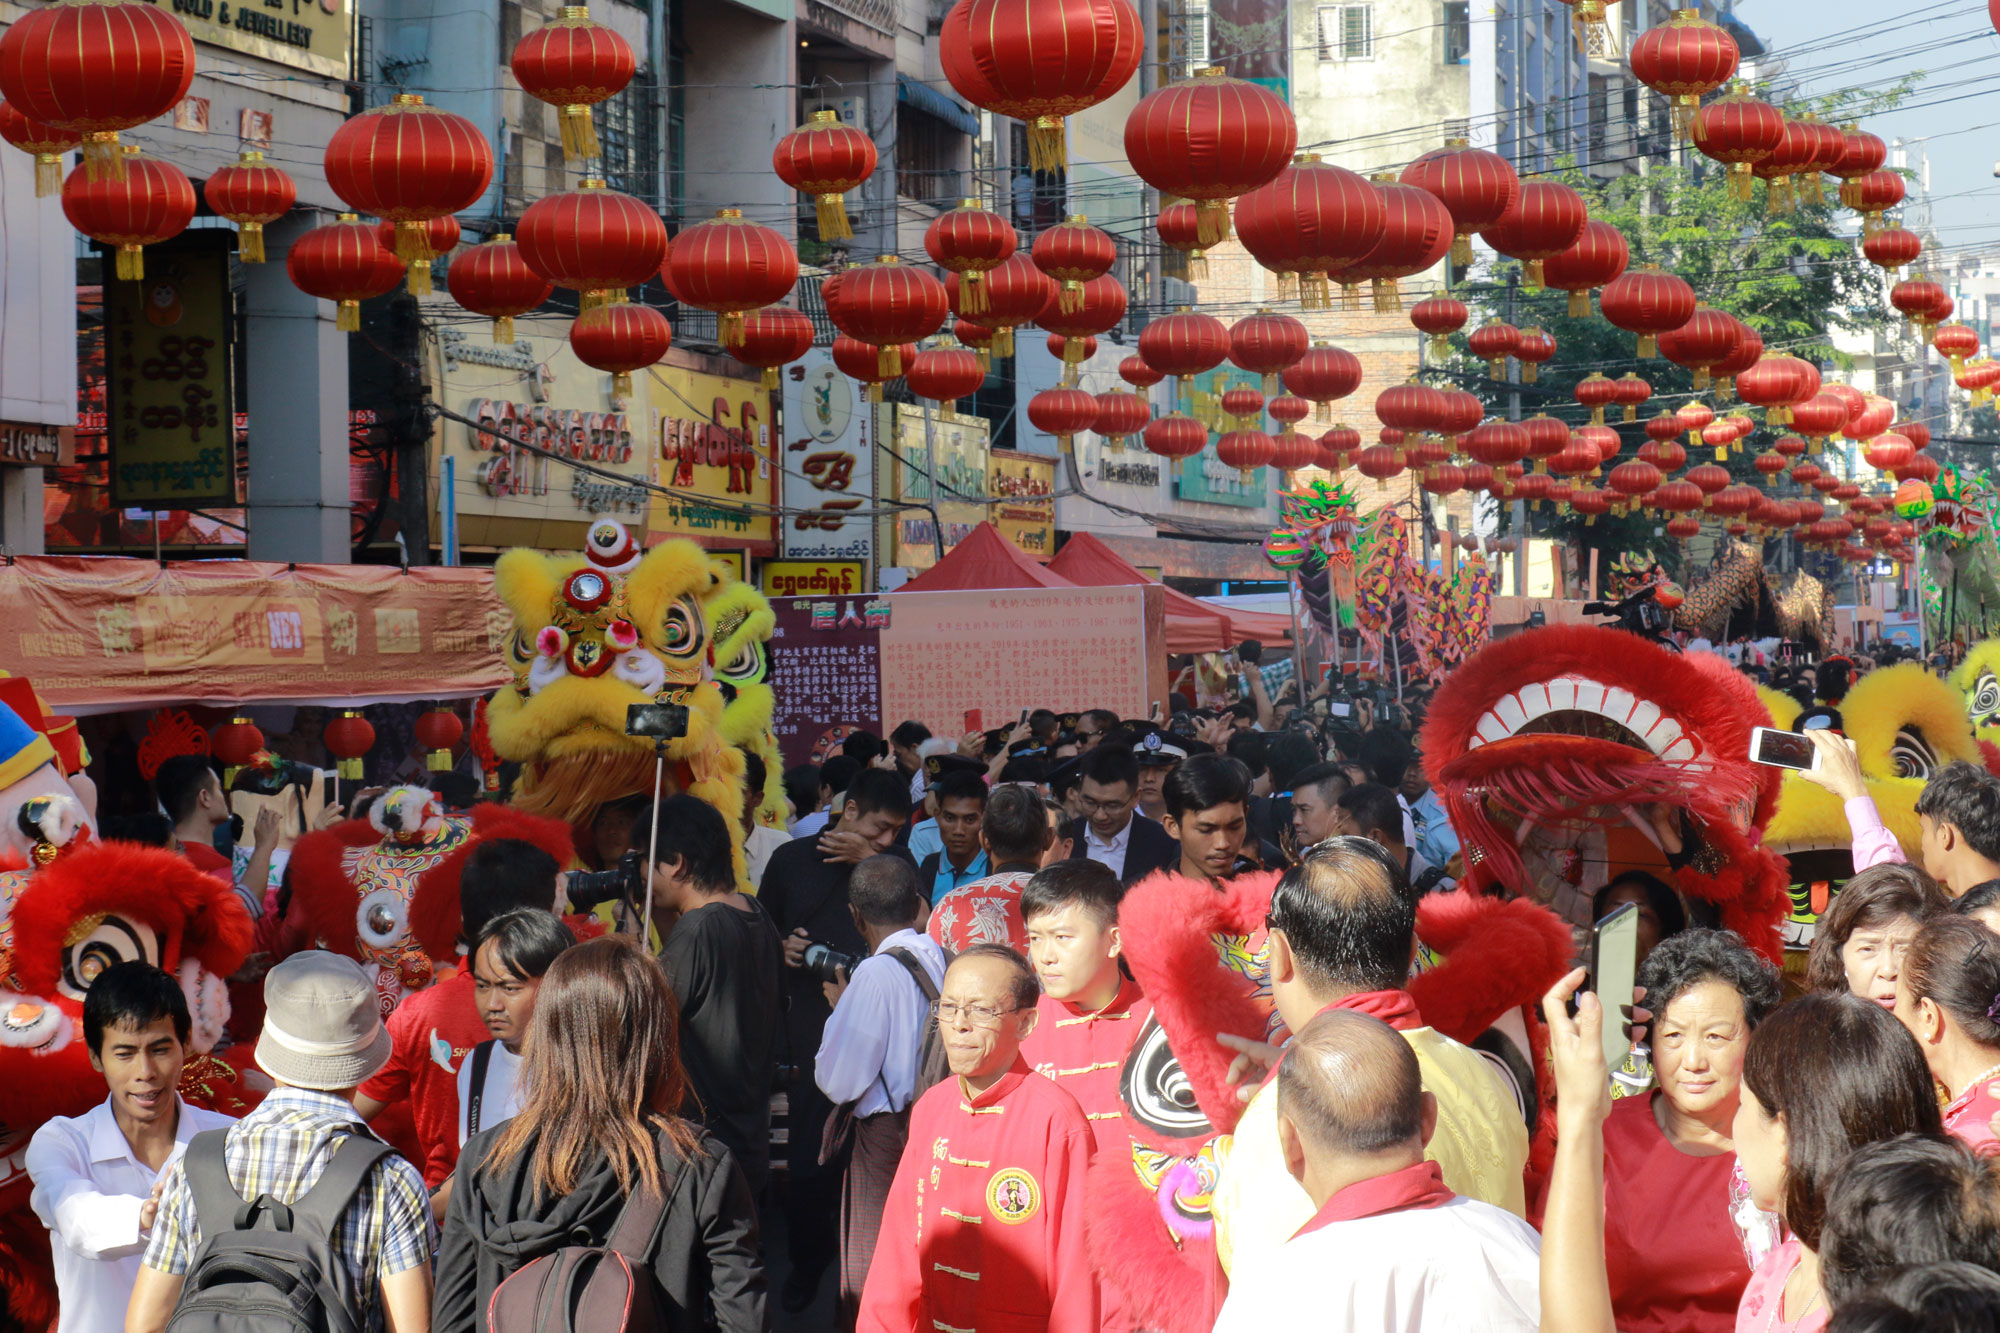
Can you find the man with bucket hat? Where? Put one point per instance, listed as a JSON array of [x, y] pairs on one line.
[[322, 1037]]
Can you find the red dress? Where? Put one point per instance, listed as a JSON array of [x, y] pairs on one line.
[[1970, 1116], [1675, 1260], [983, 1228]]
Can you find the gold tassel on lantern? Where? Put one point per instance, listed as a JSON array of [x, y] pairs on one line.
[[1197, 266], [132, 264], [1742, 180], [102, 159], [972, 292], [1461, 249], [1686, 107], [770, 377], [1701, 378], [1288, 286], [1530, 372], [413, 241], [1003, 341], [1071, 299], [1323, 412], [889, 361], [1315, 292], [1649, 346], [985, 363], [729, 328], [1579, 304], [1075, 351], [1440, 344], [621, 385], [1047, 149], [48, 174], [875, 392], [418, 276], [831, 210], [347, 316], [503, 331], [1211, 221], [579, 133], [1531, 275], [250, 242], [1388, 297], [1350, 296]]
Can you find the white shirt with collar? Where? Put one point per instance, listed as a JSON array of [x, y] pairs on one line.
[[869, 1050], [88, 1192], [1110, 854]]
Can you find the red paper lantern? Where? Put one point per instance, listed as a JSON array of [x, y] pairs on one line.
[[1684, 526], [1770, 463], [236, 742], [1576, 458], [1955, 342], [348, 737], [1708, 338], [1805, 474], [573, 63], [592, 240], [1776, 383], [1242, 403], [1872, 194], [1647, 302], [1793, 155], [1889, 451], [826, 158], [1292, 451], [1062, 412], [887, 303], [1015, 292], [1547, 218], [1323, 375], [1210, 138], [1819, 416], [1921, 468], [45, 143], [1475, 186], [1071, 351], [1246, 451], [1135, 372], [1591, 502], [620, 337], [96, 67], [1440, 317], [1455, 411], [1411, 407], [1597, 256], [1041, 60], [407, 163], [970, 241], [1665, 454], [148, 202], [863, 361], [1892, 248], [249, 192], [1179, 228], [945, 375], [1497, 443], [1632, 391], [437, 731], [1536, 347], [1289, 410], [1829, 151], [1790, 446], [1916, 432], [1666, 426], [1120, 414], [1099, 308], [1176, 436], [1416, 235], [1596, 393], [1740, 131], [729, 266], [1633, 479], [1695, 419], [1863, 153], [1684, 59], [1749, 351], [1313, 221], [441, 237], [1380, 462], [776, 336], [1267, 344], [343, 262], [1547, 437], [1442, 479], [1493, 343], [1708, 478], [1184, 344], [1072, 253], [493, 280]]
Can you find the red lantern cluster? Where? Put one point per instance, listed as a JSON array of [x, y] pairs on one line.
[[1209, 138], [408, 163], [730, 266], [1314, 221], [343, 262]]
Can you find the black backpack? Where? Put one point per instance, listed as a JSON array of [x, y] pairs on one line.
[[265, 1266]]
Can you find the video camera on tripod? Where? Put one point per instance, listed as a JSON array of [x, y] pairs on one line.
[[1640, 614], [626, 882]]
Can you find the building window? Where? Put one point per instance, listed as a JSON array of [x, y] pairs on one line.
[[1457, 32], [628, 130], [1346, 32], [1196, 16], [1458, 129], [927, 153]]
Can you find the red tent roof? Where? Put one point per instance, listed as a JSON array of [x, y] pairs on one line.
[[985, 559], [1193, 626]]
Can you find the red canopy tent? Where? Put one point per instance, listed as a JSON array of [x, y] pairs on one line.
[[1193, 626], [985, 559]]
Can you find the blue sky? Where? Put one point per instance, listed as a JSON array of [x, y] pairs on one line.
[[1836, 45]]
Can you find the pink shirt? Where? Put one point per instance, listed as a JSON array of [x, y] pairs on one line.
[[1970, 1116], [1762, 1304], [1873, 845]]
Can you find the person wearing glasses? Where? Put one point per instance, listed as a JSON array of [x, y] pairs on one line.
[[983, 1227], [1092, 726], [1115, 833]]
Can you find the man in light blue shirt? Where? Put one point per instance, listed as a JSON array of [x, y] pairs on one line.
[[1437, 841]]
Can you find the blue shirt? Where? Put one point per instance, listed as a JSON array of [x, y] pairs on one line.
[[948, 879], [1437, 841], [925, 839]]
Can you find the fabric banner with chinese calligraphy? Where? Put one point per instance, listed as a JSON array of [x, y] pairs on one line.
[[826, 673], [713, 448], [829, 463], [100, 635]]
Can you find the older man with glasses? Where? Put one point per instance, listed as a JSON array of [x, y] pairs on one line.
[[986, 1212]]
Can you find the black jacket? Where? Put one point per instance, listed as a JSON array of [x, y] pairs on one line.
[[705, 1252], [1149, 848]]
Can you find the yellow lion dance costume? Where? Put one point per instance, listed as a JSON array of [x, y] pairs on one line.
[[742, 621], [1978, 679], [593, 634]]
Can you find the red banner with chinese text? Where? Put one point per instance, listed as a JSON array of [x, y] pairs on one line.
[[104, 634]]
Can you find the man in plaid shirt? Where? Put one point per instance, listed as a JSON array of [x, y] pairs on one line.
[[322, 1037]]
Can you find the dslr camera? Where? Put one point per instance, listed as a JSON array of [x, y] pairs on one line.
[[824, 963], [624, 882]]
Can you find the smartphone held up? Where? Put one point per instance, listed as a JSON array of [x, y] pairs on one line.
[[1784, 749]]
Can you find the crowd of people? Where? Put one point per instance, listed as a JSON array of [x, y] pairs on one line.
[[878, 1092]]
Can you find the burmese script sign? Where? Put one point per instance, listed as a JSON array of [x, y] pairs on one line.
[[97, 634], [169, 411]]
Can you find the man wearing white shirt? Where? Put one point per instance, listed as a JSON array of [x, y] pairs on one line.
[[1390, 1249], [868, 1057], [1116, 835], [95, 1175], [509, 958]]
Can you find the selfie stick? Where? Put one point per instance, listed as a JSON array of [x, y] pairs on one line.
[[653, 839]]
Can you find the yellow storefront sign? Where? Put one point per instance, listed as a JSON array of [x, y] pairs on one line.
[[1025, 511], [712, 447]]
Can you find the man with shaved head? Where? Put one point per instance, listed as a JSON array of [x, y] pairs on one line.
[[1342, 935], [1390, 1249]]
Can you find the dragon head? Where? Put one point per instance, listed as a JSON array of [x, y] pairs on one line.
[[1548, 746], [1906, 724]]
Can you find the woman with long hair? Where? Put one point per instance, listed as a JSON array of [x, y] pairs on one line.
[[598, 1128]]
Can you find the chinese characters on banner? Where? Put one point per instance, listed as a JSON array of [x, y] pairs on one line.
[[958, 450], [1026, 511], [826, 673], [714, 448], [168, 389], [829, 463]]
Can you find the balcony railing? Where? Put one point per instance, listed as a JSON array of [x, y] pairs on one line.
[[877, 14]]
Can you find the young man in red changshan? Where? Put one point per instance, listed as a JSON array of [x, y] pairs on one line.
[[983, 1229]]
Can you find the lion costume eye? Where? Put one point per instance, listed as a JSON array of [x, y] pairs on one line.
[[1985, 697], [746, 668], [681, 636], [112, 940], [1911, 755]]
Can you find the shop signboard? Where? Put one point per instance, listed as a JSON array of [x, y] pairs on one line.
[[955, 451], [812, 578], [1025, 510], [713, 437], [169, 389], [829, 463], [538, 409], [305, 34]]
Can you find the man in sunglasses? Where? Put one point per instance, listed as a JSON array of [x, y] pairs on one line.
[[986, 1212]]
